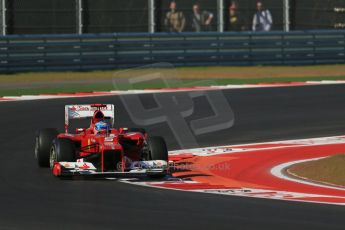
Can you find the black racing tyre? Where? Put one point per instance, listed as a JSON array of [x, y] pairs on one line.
[[44, 139], [62, 150], [157, 148], [140, 130]]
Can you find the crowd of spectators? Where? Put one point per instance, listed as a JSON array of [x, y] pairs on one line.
[[203, 20]]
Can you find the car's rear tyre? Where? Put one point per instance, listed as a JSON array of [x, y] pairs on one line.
[[139, 130], [62, 150], [43, 143]]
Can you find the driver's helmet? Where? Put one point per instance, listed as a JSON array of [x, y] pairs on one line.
[[102, 125], [98, 116]]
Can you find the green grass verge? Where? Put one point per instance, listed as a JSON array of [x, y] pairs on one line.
[[69, 88], [328, 170]]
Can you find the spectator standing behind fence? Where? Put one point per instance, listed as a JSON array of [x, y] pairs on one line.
[[201, 21], [174, 20], [235, 21], [262, 20]]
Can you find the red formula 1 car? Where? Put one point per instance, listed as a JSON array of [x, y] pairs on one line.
[[100, 150]]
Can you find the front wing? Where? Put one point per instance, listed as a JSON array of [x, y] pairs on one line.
[[88, 170]]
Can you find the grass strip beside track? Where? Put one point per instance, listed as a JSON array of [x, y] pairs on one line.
[[12, 90], [330, 170], [69, 82]]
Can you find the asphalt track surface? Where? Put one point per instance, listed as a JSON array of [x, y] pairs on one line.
[[31, 198]]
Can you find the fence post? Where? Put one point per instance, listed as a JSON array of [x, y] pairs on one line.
[[79, 16], [220, 11], [3, 17], [151, 9], [286, 13]]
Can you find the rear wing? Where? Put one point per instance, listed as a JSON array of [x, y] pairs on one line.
[[87, 111]]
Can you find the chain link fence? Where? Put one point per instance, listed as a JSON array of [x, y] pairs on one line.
[[40, 16], [108, 16], [2, 17], [318, 14]]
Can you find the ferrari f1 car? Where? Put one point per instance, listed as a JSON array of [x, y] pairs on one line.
[[100, 150]]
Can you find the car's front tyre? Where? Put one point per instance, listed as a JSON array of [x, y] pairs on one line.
[[43, 143], [61, 150], [157, 148], [157, 151]]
